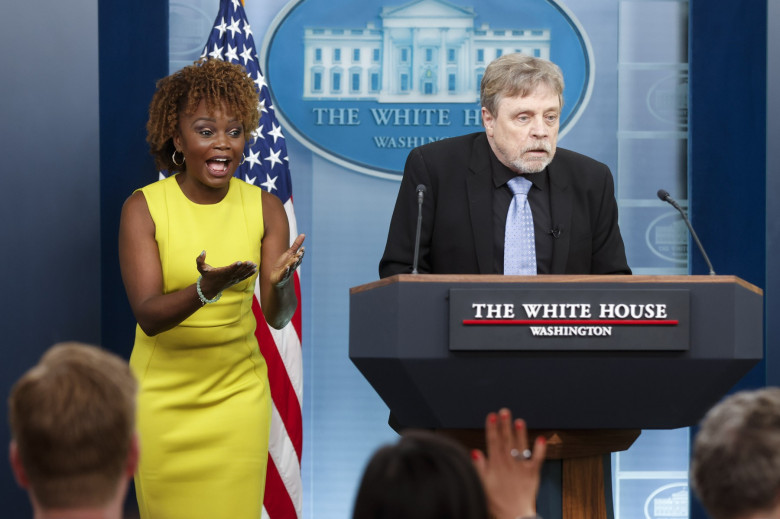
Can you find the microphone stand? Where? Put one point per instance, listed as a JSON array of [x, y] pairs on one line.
[[666, 197], [420, 192]]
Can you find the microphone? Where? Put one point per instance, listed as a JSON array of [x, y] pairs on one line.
[[664, 196], [556, 231], [420, 194]]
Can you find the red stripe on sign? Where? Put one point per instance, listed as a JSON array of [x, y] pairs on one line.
[[626, 322]]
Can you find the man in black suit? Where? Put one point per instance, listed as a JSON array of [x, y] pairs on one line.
[[572, 201]]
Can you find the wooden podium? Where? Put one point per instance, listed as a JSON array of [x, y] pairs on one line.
[[588, 361]]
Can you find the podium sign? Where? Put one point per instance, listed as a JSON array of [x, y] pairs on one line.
[[435, 373], [568, 319]]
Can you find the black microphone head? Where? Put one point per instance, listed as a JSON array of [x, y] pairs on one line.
[[421, 188], [663, 194]]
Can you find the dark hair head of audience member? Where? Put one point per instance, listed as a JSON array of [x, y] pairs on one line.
[[422, 476], [736, 456], [73, 427]]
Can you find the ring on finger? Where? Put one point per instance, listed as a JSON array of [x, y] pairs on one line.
[[520, 456]]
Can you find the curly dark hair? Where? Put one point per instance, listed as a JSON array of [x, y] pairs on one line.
[[216, 82]]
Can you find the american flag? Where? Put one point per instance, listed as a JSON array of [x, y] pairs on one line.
[[266, 165]]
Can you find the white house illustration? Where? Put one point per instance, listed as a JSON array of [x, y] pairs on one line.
[[675, 505], [426, 51]]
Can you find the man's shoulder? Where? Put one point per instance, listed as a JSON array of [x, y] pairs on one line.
[[566, 157], [461, 143], [572, 168]]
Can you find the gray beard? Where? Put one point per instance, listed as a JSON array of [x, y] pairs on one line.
[[528, 167], [532, 166]]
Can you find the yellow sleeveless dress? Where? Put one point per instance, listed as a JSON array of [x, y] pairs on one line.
[[204, 405]]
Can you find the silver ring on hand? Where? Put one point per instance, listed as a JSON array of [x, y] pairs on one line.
[[520, 456]]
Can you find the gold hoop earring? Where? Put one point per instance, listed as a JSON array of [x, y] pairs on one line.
[[243, 159], [173, 158]]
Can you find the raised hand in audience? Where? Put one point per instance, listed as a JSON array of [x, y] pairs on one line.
[[510, 470]]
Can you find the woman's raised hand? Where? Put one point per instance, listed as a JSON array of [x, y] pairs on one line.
[[287, 263], [217, 279], [511, 469]]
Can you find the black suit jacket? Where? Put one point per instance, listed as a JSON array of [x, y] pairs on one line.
[[457, 226]]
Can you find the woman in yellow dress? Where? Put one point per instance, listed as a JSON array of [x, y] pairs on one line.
[[204, 403]]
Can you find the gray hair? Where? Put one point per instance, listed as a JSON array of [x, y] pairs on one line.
[[736, 455], [518, 74]]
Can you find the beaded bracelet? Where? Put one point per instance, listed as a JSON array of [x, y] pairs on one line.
[[203, 299]]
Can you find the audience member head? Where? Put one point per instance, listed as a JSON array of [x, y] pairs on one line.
[[518, 74], [72, 422], [422, 476], [219, 84], [736, 457]]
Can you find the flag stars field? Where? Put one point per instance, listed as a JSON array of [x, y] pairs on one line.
[[253, 159], [270, 183], [233, 27], [216, 53], [273, 158], [231, 53], [221, 27], [276, 132], [260, 82], [246, 55]]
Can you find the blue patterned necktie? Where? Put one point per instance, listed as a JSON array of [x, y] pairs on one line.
[[519, 244]]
